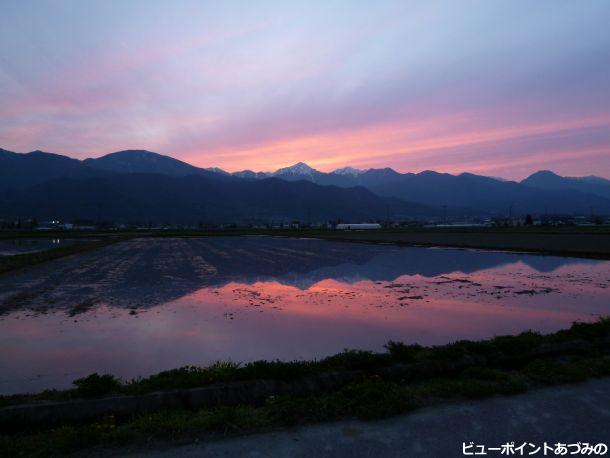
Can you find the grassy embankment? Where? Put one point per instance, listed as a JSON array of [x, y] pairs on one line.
[[503, 365]]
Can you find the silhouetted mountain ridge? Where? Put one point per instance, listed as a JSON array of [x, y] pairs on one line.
[[545, 179], [142, 161], [23, 170], [37, 172], [196, 198]]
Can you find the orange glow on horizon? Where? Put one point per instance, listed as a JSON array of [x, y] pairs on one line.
[[404, 143]]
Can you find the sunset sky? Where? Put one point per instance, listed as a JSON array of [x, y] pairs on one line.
[[500, 88]]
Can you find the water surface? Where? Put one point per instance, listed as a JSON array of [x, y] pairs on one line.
[[12, 246], [142, 306]]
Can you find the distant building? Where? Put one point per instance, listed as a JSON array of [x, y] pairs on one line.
[[357, 226], [46, 225], [458, 225]]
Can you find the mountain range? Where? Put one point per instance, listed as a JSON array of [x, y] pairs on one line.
[[139, 185]]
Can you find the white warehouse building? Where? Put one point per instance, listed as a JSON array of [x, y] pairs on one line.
[[350, 226]]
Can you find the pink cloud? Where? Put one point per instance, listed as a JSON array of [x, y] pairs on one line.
[[443, 142]]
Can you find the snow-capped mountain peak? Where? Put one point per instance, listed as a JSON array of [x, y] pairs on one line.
[[349, 171], [300, 168], [497, 178], [216, 170], [251, 174]]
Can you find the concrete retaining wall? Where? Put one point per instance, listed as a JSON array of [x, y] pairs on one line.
[[253, 392]]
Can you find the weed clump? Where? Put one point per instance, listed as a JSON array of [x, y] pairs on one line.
[[587, 331], [278, 370], [403, 352], [366, 400], [184, 377], [548, 372], [96, 385], [356, 360]]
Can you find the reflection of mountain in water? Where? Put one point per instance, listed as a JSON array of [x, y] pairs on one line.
[[549, 264], [148, 272], [426, 262]]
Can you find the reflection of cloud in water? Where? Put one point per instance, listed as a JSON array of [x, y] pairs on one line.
[[148, 272]]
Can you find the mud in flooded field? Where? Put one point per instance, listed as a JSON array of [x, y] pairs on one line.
[[145, 305]]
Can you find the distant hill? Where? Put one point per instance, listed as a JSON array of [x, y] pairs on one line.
[[194, 198], [142, 161], [488, 194], [545, 179], [23, 170]]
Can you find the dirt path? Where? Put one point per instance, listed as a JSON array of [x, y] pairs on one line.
[[567, 414]]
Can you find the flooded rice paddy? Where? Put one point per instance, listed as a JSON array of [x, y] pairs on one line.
[[10, 247], [146, 305]]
